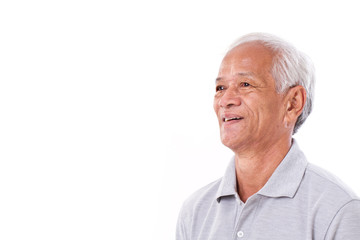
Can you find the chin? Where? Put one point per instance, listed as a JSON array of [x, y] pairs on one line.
[[231, 142]]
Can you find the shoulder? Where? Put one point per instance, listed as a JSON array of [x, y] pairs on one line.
[[328, 183], [201, 198], [334, 209], [326, 196], [197, 204], [204, 194], [346, 222]]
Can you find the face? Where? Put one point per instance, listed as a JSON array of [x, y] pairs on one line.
[[249, 109]]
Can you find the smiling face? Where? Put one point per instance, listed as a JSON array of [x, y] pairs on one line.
[[249, 109]]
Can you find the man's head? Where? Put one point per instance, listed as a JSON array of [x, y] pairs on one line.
[[264, 91]]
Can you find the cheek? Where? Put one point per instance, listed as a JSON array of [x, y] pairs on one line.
[[273, 112], [262, 110], [215, 105]]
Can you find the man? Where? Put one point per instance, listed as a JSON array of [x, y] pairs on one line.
[[264, 92]]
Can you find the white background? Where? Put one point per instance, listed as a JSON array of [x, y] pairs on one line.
[[106, 119]]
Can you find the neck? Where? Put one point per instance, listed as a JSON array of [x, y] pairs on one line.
[[255, 167]]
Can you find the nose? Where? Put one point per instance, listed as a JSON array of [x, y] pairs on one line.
[[230, 98]]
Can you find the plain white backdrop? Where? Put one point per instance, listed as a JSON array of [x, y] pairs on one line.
[[106, 119]]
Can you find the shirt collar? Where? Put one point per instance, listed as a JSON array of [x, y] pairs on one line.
[[228, 183], [284, 182]]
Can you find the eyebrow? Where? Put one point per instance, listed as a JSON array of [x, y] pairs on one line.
[[241, 74]]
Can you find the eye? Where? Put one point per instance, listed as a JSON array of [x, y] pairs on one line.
[[219, 88], [245, 84]]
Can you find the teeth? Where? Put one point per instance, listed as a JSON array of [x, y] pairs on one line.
[[229, 119]]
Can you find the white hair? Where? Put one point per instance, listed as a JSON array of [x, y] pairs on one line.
[[290, 68]]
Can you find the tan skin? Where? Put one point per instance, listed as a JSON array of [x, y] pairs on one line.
[[256, 122]]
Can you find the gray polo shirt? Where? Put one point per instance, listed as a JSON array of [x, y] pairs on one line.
[[299, 201]]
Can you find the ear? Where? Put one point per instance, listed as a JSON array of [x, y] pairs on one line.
[[295, 102]]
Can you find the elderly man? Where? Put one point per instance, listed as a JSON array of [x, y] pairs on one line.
[[264, 92]]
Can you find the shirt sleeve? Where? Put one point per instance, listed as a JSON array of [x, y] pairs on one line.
[[181, 232], [346, 223]]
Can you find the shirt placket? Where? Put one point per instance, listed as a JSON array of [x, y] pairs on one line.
[[245, 217]]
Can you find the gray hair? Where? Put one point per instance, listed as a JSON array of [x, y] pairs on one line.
[[290, 68]]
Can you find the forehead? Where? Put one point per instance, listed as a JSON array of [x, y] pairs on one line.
[[247, 58]]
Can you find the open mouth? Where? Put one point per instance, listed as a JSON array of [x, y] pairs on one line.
[[232, 119]]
